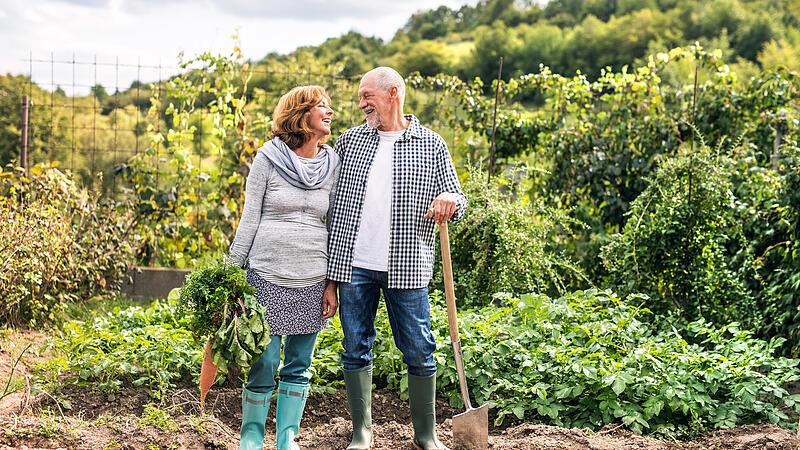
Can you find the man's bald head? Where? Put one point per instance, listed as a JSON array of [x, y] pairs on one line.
[[386, 78]]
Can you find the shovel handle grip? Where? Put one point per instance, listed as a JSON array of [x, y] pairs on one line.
[[452, 318]]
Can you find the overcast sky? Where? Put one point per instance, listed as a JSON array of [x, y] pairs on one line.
[[121, 34]]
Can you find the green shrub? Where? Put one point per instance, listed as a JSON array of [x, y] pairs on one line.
[[769, 210], [58, 243], [780, 261], [505, 243], [679, 240]]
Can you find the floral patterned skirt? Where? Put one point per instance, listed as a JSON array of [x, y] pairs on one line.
[[290, 310]]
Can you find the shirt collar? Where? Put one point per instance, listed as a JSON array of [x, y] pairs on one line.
[[414, 129]]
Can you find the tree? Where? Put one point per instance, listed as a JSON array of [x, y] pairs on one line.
[[490, 44], [99, 93], [542, 44], [751, 39], [430, 24], [44, 135], [426, 57], [780, 53]]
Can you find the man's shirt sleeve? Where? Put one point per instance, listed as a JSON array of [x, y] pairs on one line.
[[447, 179]]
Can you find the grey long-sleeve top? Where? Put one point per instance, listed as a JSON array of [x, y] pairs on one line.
[[282, 232]]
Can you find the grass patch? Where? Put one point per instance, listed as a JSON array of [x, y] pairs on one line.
[[460, 50]]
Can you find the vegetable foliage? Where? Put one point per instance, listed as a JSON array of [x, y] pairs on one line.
[[221, 305]]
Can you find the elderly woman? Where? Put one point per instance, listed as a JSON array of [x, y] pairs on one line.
[[283, 241]]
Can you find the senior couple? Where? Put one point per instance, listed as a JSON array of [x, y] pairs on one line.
[[358, 217]]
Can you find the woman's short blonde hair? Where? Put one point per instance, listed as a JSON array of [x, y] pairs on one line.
[[290, 120]]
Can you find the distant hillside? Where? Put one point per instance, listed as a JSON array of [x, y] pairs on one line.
[[566, 35], [570, 35]]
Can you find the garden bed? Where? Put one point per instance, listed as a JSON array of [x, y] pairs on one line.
[[129, 418]]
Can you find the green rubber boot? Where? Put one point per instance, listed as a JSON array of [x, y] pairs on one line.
[[359, 395], [422, 399], [291, 403], [255, 407]]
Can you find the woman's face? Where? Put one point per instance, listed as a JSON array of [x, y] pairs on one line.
[[320, 117]]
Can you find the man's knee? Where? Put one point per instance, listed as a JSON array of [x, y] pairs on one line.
[[423, 368], [418, 356]]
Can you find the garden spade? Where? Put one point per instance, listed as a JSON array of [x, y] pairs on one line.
[[470, 428]]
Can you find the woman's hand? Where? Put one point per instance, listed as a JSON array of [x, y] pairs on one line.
[[329, 301]]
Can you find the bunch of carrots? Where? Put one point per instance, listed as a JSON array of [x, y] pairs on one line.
[[224, 313]]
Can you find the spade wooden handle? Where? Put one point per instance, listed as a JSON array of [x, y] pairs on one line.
[[452, 318]]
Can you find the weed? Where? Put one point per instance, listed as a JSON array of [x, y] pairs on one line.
[[197, 422], [112, 444], [49, 425], [157, 417]]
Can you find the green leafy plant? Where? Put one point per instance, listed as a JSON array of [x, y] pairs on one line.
[[220, 304], [157, 417], [589, 358], [188, 204], [144, 346], [507, 243], [675, 245], [769, 210], [600, 140], [58, 244]]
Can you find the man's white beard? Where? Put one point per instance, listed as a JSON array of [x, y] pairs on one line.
[[374, 120]]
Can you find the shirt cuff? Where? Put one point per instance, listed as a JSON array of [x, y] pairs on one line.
[[236, 260]]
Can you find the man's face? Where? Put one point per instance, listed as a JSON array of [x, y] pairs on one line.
[[374, 102]]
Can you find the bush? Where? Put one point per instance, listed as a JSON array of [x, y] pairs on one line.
[[678, 243], [58, 243], [770, 214], [505, 243]]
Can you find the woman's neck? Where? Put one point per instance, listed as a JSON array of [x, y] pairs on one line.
[[309, 149]]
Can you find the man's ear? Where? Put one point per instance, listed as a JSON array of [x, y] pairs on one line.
[[393, 92]]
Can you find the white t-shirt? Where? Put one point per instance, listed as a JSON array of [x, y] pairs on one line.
[[371, 250]]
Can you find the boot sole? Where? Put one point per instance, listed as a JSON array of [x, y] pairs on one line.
[[416, 446]]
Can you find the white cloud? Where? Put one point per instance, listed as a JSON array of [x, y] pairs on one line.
[[152, 32], [316, 10]]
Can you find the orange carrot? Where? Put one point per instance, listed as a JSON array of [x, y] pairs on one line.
[[207, 373]]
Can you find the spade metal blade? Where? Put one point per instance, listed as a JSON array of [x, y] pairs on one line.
[[471, 429]]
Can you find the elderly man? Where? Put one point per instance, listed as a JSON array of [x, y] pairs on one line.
[[397, 178]]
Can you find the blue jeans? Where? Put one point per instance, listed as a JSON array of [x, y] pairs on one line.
[[409, 316], [298, 349]]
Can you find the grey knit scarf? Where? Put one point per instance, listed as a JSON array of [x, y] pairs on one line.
[[304, 173]]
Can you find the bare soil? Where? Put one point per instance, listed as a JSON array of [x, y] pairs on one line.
[[97, 420]]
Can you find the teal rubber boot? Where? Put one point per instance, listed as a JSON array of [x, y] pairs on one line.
[[291, 403], [422, 400], [359, 396], [255, 407]]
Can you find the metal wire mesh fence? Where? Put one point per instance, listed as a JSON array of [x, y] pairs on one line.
[[91, 115], [169, 144]]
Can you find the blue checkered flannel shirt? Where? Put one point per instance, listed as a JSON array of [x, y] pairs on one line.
[[421, 169]]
